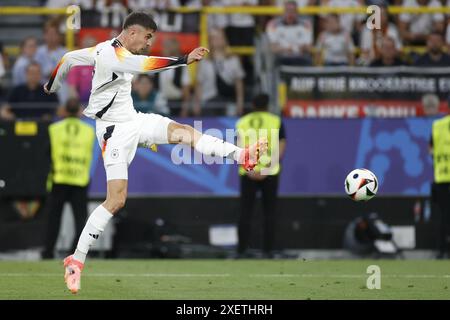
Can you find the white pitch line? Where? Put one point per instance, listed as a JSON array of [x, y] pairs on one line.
[[195, 275], [131, 275], [306, 275], [418, 276], [187, 275]]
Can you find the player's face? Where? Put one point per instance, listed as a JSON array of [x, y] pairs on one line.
[[142, 39]]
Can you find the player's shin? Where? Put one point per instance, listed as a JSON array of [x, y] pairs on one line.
[[213, 146], [94, 227]]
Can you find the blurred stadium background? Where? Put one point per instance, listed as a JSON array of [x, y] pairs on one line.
[[352, 97]]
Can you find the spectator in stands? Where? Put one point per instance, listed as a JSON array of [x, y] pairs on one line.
[[447, 38], [383, 3], [2, 71], [215, 21], [4, 57], [300, 3], [84, 4], [137, 5], [90, 15], [263, 20], [291, 37], [351, 23], [146, 98], [50, 53], [79, 78], [414, 28], [389, 55], [113, 12], [334, 45], [29, 100], [220, 82], [435, 56], [447, 31], [240, 29], [28, 49], [174, 84], [370, 41]]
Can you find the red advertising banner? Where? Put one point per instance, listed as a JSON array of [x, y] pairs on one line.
[[354, 92], [356, 108]]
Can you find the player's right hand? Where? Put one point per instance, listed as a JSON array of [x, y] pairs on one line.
[[45, 88], [197, 54]]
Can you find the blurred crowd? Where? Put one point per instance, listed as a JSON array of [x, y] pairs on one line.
[[224, 79]]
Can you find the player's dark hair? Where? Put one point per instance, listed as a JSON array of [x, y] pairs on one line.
[[140, 18], [261, 101]]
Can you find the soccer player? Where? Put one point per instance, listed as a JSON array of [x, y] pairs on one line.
[[120, 129]]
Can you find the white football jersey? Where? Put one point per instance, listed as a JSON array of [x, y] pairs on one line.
[[114, 67]]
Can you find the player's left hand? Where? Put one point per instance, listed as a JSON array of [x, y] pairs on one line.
[[197, 54]]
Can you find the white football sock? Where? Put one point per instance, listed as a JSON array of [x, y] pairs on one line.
[[94, 227], [212, 146]]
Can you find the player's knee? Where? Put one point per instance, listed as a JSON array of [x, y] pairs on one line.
[[180, 133], [187, 133], [120, 202], [116, 202]]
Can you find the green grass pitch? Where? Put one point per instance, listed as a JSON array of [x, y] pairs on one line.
[[228, 280]]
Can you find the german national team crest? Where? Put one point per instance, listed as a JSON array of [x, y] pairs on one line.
[[114, 153]]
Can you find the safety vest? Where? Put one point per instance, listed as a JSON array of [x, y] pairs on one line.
[[256, 125], [441, 150], [72, 143]]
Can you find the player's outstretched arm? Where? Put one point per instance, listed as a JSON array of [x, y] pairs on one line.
[[124, 61], [82, 57]]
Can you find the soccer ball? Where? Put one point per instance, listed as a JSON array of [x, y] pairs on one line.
[[361, 185]]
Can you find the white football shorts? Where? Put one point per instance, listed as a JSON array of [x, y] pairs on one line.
[[120, 140]]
